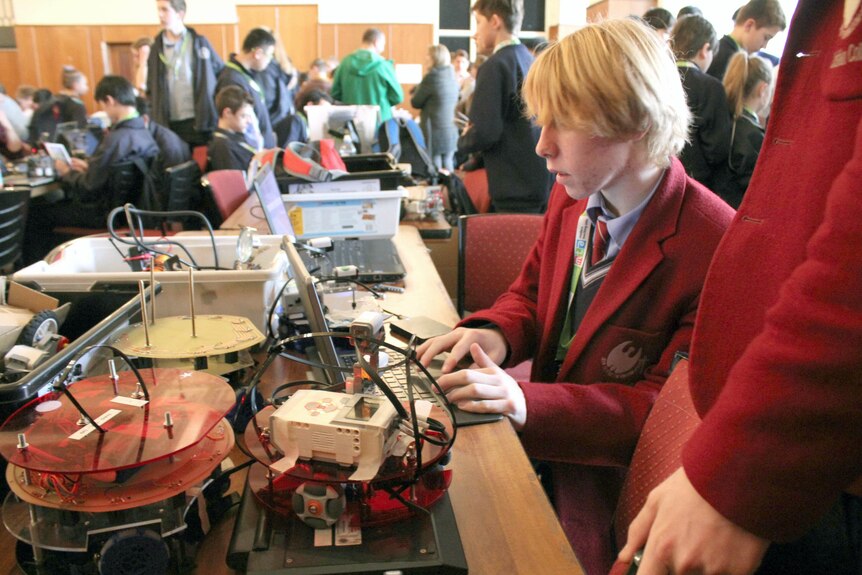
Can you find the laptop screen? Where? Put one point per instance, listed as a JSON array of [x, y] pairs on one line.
[[306, 285], [269, 196]]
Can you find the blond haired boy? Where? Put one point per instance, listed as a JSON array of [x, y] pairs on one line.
[[600, 313]]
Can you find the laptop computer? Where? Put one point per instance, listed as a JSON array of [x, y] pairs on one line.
[[376, 259], [326, 352]]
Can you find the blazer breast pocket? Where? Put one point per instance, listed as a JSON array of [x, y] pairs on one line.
[[625, 353]]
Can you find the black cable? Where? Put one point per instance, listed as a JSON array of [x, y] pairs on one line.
[[275, 301]]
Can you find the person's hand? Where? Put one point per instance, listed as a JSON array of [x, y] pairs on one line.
[[458, 342], [486, 389], [61, 168], [681, 532], [79, 164]]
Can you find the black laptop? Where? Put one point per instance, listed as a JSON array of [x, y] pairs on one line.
[[376, 259]]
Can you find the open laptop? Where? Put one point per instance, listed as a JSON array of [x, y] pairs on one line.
[[376, 259], [326, 353]]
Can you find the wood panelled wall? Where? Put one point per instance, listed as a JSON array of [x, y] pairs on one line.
[[44, 50]]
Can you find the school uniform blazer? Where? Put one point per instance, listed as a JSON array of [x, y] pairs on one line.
[[727, 47], [587, 419], [206, 65], [777, 351], [518, 179], [706, 152]]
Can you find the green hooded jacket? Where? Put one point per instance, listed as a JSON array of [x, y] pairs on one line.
[[364, 77]]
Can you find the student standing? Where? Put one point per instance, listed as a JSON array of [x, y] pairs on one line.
[[610, 291], [436, 97], [755, 25], [365, 77], [694, 44], [771, 477], [181, 78], [748, 85], [245, 70], [518, 180]]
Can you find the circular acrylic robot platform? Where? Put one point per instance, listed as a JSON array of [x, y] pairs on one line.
[[135, 432], [171, 337], [112, 491]]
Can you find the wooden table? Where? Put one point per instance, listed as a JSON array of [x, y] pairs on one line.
[[505, 520]]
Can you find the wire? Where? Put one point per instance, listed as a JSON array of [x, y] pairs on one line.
[[275, 301]]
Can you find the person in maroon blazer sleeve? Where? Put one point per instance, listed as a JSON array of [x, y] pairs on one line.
[[776, 358], [613, 116]]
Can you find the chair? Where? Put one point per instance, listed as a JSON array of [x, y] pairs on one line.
[[491, 250], [13, 215], [182, 189], [200, 154], [125, 184], [658, 453], [476, 182], [227, 191]]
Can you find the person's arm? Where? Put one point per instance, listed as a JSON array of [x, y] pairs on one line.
[[88, 184], [215, 60], [394, 93], [336, 91], [486, 111], [13, 142], [422, 93], [782, 440]]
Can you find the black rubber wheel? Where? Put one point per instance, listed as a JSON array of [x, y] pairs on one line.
[[39, 329]]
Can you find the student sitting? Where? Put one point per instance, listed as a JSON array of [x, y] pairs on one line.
[[294, 128], [66, 106], [748, 84], [610, 291], [86, 183], [228, 149]]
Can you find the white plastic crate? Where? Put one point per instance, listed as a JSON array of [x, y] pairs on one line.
[[85, 262], [345, 215]]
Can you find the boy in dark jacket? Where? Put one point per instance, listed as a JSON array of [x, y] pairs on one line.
[[518, 180], [229, 150], [86, 183], [182, 76]]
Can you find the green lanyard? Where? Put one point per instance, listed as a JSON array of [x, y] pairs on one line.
[[566, 335], [244, 145], [247, 76], [177, 58], [685, 64]]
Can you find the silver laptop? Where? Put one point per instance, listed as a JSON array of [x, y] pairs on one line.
[[376, 259]]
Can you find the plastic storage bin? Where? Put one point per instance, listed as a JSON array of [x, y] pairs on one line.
[[86, 264]]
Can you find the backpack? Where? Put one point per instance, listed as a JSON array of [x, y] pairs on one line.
[[460, 203], [402, 138]]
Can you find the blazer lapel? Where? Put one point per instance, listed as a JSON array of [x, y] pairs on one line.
[[639, 256]]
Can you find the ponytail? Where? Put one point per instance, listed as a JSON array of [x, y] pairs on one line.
[[743, 75]]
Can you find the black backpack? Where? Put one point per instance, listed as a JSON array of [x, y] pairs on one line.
[[403, 139]]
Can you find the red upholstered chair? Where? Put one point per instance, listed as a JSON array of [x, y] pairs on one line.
[[492, 249], [658, 454], [228, 191], [476, 182], [200, 155]]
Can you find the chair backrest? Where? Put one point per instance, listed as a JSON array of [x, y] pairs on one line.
[[200, 155], [13, 215], [492, 249], [125, 182], [228, 190], [658, 453]]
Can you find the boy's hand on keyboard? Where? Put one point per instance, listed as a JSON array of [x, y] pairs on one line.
[[486, 388], [458, 341]]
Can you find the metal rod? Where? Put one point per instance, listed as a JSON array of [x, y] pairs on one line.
[[153, 289], [115, 379], [192, 300], [144, 312]]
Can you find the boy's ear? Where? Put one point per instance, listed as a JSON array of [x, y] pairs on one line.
[[497, 22], [750, 25]]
